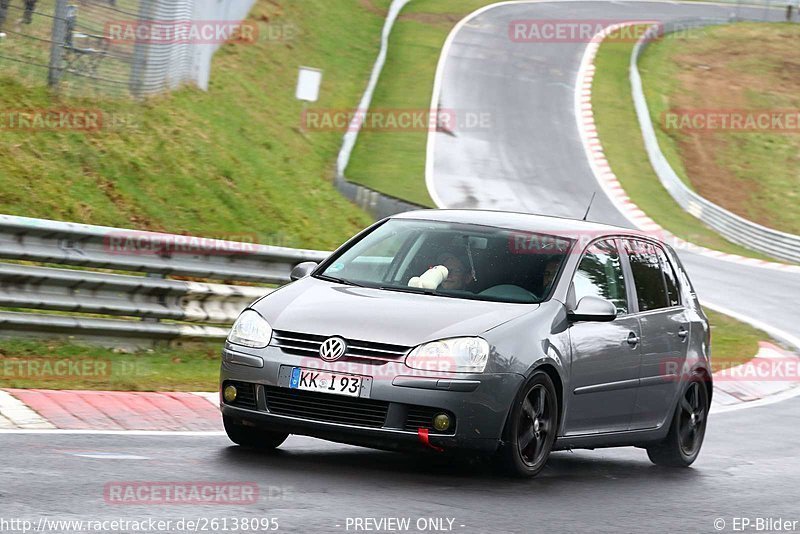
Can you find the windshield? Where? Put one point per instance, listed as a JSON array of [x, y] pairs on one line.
[[453, 260]]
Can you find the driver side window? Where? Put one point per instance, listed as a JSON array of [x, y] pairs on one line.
[[600, 275]]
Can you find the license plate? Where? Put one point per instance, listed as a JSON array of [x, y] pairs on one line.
[[325, 382]]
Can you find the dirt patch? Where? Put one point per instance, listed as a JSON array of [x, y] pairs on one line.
[[424, 18], [706, 85], [372, 8], [109, 189], [727, 71], [433, 18]]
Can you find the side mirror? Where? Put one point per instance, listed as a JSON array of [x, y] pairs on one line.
[[302, 270], [594, 309]]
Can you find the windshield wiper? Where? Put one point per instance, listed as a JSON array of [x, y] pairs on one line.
[[407, 289], [338, 280]]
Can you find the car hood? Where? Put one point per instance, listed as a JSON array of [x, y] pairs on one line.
[[315, 306]]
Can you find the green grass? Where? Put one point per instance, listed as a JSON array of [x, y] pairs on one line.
[[732, 342], [694, 71], [394, 162], [618, 130], [44, 365], [231, 162]]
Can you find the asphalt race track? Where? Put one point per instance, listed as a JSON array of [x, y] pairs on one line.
[[312, 486], [531, 160]]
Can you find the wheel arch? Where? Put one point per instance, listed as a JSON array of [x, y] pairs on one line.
[[707, 380], [551, 371]]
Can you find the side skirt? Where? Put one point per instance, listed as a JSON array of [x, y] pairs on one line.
[[627, 438]]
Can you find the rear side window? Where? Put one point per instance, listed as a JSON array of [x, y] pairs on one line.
[[600, 275], [670, 278], [648, 278]]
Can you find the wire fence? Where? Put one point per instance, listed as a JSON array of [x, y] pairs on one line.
[[113, 47]]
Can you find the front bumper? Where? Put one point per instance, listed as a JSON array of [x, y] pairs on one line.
[[479, 403]]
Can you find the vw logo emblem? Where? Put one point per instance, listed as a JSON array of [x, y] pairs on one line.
[[332, 349]]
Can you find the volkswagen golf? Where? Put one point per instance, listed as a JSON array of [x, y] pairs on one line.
[[503, 334]]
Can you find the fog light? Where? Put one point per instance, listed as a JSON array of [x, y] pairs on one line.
[[441, 422], [230, 393]]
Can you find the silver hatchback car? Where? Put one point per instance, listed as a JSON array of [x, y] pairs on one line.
[[500, 333]]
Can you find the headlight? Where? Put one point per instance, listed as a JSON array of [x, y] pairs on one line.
[[457, 355], [251, 330]]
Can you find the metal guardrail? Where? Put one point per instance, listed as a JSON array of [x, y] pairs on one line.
[[737, 229], [190, 309]]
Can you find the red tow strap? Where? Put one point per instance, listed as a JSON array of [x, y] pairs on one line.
[[422, 434]]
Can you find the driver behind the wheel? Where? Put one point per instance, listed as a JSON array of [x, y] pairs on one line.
[[549, 274], [458, 276]]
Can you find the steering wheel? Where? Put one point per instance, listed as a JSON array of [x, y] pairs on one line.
[[510, 292]]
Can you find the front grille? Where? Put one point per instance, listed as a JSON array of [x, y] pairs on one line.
[[308, 345], [245, 395], [422, 417], [326, 407]]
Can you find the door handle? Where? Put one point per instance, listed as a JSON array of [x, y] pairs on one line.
[[683, 333], [633, 339]]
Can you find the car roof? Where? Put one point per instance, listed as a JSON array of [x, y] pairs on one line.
[[525, 222]]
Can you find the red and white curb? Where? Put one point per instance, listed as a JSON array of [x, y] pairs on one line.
[[774, 374], [587, 128], [110, 411], [15, 414]]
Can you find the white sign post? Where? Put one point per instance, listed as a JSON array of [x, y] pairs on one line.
[[308, 83]]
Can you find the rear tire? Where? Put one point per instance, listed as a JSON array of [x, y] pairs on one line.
[[530, 429], [252, 437], [683, 443]]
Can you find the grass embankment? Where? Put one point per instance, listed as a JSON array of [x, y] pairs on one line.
[[224, 163], [231, 162], [619, 132], [751, 173], [64, 365], [195, 367], [393, 162]]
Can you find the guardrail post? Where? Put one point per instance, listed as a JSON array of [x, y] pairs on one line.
[[161, 299]]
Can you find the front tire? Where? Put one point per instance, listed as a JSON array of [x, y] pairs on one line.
[[688, 428], [531, 428], [252, 437]]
